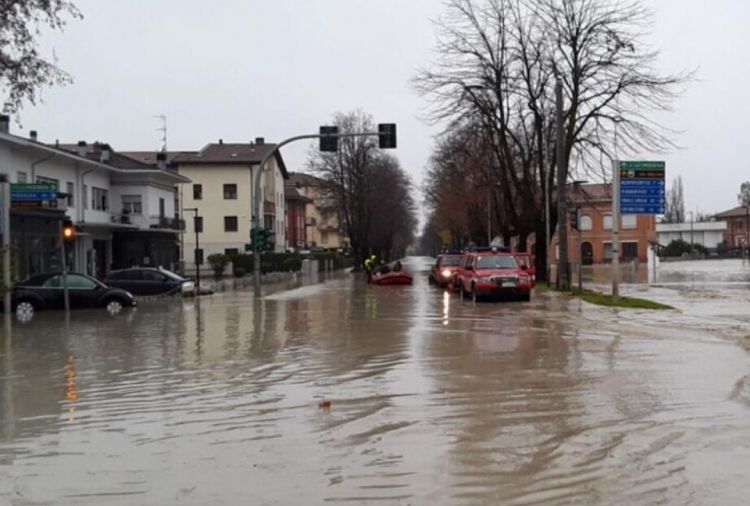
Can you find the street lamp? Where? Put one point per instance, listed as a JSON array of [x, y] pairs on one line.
[[198, 261]]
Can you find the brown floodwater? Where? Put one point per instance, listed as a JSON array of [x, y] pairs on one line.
[[346, 393]]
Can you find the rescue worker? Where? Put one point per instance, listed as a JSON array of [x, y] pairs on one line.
[[397, 266], [370, 264]]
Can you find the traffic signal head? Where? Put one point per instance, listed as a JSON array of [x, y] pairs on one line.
[[575, 217], [68, 231], [329, 142], [387, 135]]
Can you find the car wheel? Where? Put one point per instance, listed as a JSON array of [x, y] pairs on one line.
[[114, 306], [526, 297], [25, 310]]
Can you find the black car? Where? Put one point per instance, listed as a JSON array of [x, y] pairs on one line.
[[45, 291], [149, 281]]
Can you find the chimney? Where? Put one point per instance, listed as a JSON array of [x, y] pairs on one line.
[[82, 149], [104, 153], [4, 124], [221, 141], [260, 141], [161, 160], [33, 135]]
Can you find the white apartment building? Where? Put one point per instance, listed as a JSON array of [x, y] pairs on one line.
[[95, 185], [221, 188]]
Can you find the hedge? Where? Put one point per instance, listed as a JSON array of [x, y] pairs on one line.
[[285, 262]]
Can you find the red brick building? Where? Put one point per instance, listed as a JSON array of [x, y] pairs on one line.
[[296, 219], [595, 202], [736, 233]]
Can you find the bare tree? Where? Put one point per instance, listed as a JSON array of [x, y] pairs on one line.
[[499, 60], [675, 208], [23, 70], [370, 189]]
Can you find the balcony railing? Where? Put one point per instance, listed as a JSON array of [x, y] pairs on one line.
[[148, 222]]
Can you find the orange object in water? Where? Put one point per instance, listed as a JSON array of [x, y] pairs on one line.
[[324, 404]]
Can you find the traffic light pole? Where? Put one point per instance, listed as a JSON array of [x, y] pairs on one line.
[[258, 205], [64, 261], [6, 244]]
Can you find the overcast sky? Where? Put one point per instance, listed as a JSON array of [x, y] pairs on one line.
[[239, 69]]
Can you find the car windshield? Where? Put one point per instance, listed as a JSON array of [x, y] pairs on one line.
[[450, 261], [496, 262]]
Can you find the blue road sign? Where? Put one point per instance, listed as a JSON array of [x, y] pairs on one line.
[[642, 188], [34, 196]]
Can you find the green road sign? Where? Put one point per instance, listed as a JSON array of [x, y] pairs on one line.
[[645, 166]]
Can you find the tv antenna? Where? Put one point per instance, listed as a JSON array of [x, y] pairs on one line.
[[163, 130]]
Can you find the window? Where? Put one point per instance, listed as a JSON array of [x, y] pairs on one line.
[[154, 276], [71, 200], [230, 192], [197, 192], [22, 177], [48, 180], [607, 222], [198, 224], [629, 250], [100, 199], [132, 204], [230, 224], [629, 221], [607, 251], [85, 198], [586, 222], [72, 281], [161, 208], [231, 252], [324, 237]]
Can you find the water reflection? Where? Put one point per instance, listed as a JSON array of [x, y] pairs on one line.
[[432, 401]]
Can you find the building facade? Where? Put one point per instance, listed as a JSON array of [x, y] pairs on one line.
[[737, 229], [324, 226], [708, 234], [94, 187], [595, 228], [221, 191], [296, 218]]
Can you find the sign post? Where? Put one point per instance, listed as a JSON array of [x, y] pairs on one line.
[[5, 207], [638, 188]]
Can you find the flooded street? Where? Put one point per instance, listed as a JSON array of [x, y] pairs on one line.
[[433, 401]]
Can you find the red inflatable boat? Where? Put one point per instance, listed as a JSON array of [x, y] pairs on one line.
[[392, 278]]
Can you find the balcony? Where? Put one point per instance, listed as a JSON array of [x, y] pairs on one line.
[[148, 222], [269, 207]]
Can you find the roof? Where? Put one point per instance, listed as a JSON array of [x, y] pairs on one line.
[[58, 149], [223, 153], [302, 179], [698, 226], [595, 192], [116, 159], [735, 212], [149, 157], [291, 193]]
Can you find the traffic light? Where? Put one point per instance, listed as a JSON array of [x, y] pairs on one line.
[[68, 231], [261, 239], [387, 135], [329, 143], [575, 217]]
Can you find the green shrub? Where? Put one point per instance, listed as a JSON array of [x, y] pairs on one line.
[[292, 264], [239, 272], [675, 248], [218, 262]]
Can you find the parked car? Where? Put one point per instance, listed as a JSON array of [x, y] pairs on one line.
[[45, 291], [444, 269], [494, 273], [150, 281]]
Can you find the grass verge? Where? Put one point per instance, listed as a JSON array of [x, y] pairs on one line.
[[603, 299]]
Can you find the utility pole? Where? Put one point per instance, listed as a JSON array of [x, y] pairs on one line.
[[5, 185], [563, 280], [615, 229], [64, 264]]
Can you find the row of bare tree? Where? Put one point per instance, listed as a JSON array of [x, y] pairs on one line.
[[372, 191], [493, 85]]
